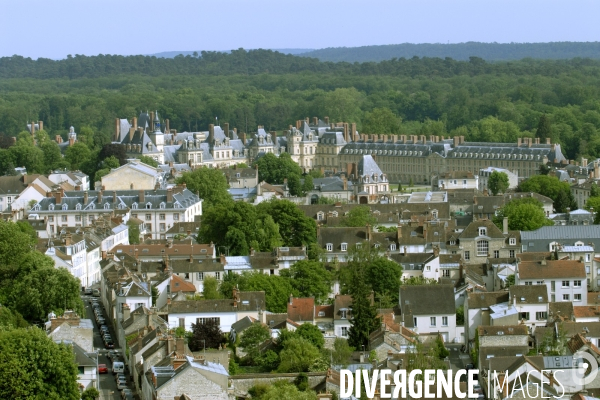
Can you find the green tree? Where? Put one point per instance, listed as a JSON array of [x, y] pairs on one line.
[[206, 334], [11, 319], [149, 161], [298, 355], [363, 316], [550, 186], [381, 120], [544, 130], [510, 281], [307, 185], [383, 276], [526, 214], [52, 155], [310, 279], [343, 104], [460, 316], [593, 205], [252, 337], [209, 183], [134, 232], [359, 216], [77, 154], [210, 288], [28, 156], [112, 162], [14, 245], [90, 393], [32, 366], [277, 289], [287, 391], [294, 185], [312, 333], [342, 352], [236, 242], [274, 170], [295, 228], [498, 182], [419, 280], [439, 349]]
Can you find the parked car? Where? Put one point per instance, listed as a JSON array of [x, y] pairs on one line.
[[102, 369], [118, 367], [109, 344], [121, 385], [104, 329], [101, 321], [120, 376], [126, 394], [88, 291], [114, 355], [96, 293]]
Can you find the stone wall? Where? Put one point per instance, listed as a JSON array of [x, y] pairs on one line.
[[503, 340], [244, 382]]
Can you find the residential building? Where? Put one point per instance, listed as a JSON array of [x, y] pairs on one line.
[[484, 176], [133, 175], [239, 178], [482, 240], [547, 238], [342, 312], [565, 280], [429, 309], [477, 310], [455, 180], [159, 209], [582, 253], [503, 341], [77, 179], [370, 184], [301, 310], [531, 304]]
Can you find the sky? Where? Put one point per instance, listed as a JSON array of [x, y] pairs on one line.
[[54, 29]]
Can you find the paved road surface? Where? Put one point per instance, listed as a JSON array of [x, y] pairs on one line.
[[108, 385]]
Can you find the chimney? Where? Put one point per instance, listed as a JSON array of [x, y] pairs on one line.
[[151, 121], [514, 301], [170, 345], [41, 125], [180, 346], [68, 239], [291, 299], [274, 136], [529, 140], [368, 232], [353, 132], [85, 198], [32, 128], [58, 195], [584, 162], [167, 128], [114, 197], [404, 250], [71, 141], [548, 141], [399, 232], [251, 251], [142, 196], [170, 195], [126, 312], [345, 183], [211, 133], [456, 139], [134, 123], [505, 225], [462, 139], [315, 121], [226, 129], [116, 129], [346, 133], [14, 140], [100, 196]]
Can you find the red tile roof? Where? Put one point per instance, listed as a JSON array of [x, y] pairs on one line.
[[328, 310], [301, 309], [551, 269], [586, 311], [181, 285]]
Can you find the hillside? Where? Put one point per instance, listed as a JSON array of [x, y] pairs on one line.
[[460, 51], [172, 54]]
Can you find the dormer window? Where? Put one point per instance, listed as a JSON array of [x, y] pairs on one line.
[[393, 247], [343, 314], [320, 216], [51, 207], [78, 207], [344, 246], [452, 242], [148, 206], [65, 207], [162, 205], [329, 246], [512, 241], [106, 206], [482, 231], [134, 206]]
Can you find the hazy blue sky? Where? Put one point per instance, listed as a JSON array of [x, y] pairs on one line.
[[53, 29]]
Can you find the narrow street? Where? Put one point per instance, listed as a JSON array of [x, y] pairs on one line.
[[108, 385]]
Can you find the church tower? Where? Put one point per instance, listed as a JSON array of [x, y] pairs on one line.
[[157, 137]]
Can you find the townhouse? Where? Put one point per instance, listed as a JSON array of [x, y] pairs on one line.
[[565, 280]]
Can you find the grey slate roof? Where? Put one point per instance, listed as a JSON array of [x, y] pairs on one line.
[[368, 167], [539, 239], [427, 299]]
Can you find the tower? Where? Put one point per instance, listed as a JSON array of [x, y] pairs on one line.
[[157, 137]]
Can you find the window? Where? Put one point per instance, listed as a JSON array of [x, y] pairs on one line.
[[452, 242], [446, 273], [539, 283], [566, 297], [161, 216], [63, 218], [133, 215], [577, 283], [588, 257], [344, 247], [577, 296], [176, 217], [91, 218], [393, 247], [565, 283], [467, 255], [482, 248], [524, 315], [552, 285], [428, 268], [182, 322], [272, 271], [162, 227], [482, 231], [541, 316], [51, 218], [321, 313], [587, 270], [528, 283], [218, 276], [148, 206], [200, 276], [344, 331], [444, 321], [415, 321], [432, 321], [106, 206], [329, 246], [512, 241], [496, 253], [511, 253], [203, 321], [343, 314], [148, 217]]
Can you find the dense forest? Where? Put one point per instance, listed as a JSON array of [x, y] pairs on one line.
[[483, 101], [460, 51]]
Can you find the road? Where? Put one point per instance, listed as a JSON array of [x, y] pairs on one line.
[[108, 385]]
